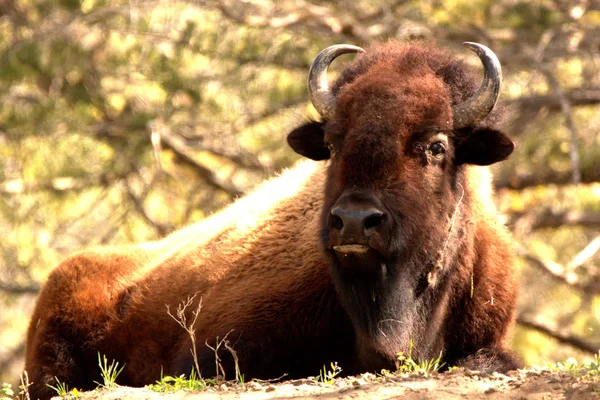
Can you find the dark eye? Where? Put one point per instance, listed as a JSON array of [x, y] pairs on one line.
[[437, 148]]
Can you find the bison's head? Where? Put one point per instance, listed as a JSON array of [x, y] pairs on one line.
[[399, 125]]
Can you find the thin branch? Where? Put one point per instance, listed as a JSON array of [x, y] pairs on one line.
[[584, 255], [182, 151], [565, 106], [64, 226], [560, 273], [554, 269], [15, 289], [242, 159], [197, 136], [112, 230], [552, 101], [380, 13], [162, 229], [178, 146], [522, 181], [561, 336], [303, 12], [59, 185], [551, 219], [156, 145], [218, 146], [254, 119]]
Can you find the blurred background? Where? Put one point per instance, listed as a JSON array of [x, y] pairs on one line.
[[121, 121]]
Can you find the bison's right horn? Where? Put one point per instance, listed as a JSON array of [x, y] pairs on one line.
[[318, 87], [478, 106]]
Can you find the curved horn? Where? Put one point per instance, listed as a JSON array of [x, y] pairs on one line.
[[481, 103], [318, 87]]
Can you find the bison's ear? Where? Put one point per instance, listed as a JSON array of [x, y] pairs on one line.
[[484, 147], [308, 140]]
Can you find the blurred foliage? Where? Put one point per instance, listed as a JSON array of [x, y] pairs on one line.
[[123, 120]]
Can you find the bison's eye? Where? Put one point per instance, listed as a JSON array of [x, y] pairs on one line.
[[437, 148]]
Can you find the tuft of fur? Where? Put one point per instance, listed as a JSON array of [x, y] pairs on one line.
[[422, 55]]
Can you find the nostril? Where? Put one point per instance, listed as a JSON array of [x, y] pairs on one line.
[[373, 221], [336, 221]]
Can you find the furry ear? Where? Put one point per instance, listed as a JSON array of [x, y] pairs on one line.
[[308, 140], [484, 147]]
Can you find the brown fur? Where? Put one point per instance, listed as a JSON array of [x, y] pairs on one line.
[[266, 276]]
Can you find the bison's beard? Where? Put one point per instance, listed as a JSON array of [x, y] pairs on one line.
[[388, 303]]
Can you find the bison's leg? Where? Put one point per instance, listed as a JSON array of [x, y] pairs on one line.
[[70, 322], [264, 355], [52, 358], [490, 360], [253, 359]]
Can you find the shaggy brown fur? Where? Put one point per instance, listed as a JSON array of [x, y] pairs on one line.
[[264, 267]]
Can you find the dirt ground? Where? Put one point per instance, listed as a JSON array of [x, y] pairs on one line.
[[523, 384]]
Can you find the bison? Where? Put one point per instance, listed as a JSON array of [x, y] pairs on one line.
[[391, 244]]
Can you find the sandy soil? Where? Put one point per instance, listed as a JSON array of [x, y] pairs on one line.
[[460, 384]]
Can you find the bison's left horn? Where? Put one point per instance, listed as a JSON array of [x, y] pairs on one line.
[[318, 87], [481, 103]]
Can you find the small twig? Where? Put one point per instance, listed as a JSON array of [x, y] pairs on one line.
[[270, 380], [238, 374], [588, 252], [218, 366], [181, 319], [25, 385]]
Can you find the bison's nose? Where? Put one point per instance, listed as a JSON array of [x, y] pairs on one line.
[[355, 226]]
